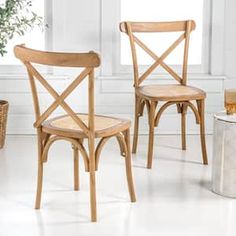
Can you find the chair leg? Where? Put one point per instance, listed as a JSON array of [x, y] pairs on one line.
[[93, 197], [128, 167], [93, 204], [201, 110], [39, 186], [151, 134], [40, 173], [136, 124], [183, 126], [76, 168]]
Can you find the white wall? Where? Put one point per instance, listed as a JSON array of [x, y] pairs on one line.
[[230, 43], [76, 27]]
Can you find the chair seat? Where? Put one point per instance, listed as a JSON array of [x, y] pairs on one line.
[[66, 126], [170, 92]]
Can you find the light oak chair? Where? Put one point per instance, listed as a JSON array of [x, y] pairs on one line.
[[150, 95], [74, 127]]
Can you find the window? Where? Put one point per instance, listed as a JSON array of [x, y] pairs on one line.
[[156, 10], [159, 10], [33, 38]]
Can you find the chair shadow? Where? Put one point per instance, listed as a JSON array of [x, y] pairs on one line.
[[169, 146], [179, 160], [169, 159], [206, 184]]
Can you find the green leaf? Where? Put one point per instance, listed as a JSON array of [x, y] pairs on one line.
[[17, 18]]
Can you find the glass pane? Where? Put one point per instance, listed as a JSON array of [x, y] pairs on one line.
[[159, 10], [33, 38]]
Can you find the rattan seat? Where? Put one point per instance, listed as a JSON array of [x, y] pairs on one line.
[[66, 126], [170, 92]]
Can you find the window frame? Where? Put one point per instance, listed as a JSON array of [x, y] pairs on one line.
[[213, 42]]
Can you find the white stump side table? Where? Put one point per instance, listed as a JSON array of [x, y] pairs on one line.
[[224, 155]]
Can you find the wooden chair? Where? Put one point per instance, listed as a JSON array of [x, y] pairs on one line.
[[179, 94], [74, 127]]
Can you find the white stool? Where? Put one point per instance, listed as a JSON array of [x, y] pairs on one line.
[[224, 155]]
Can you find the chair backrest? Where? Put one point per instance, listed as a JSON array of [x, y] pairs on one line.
[[87, 61], [157, 27]]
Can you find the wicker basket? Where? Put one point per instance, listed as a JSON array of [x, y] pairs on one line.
[[3, 121]]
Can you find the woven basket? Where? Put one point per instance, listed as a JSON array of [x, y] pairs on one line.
[[3, 121]]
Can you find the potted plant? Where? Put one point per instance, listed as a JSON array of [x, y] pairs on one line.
[[16, 18]]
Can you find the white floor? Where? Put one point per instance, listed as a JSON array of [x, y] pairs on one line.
[[174, 198]]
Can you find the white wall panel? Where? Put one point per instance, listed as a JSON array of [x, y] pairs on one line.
[[230, 45]]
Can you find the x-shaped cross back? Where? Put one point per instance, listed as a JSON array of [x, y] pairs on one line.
[[59, 99], [159, 61]]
